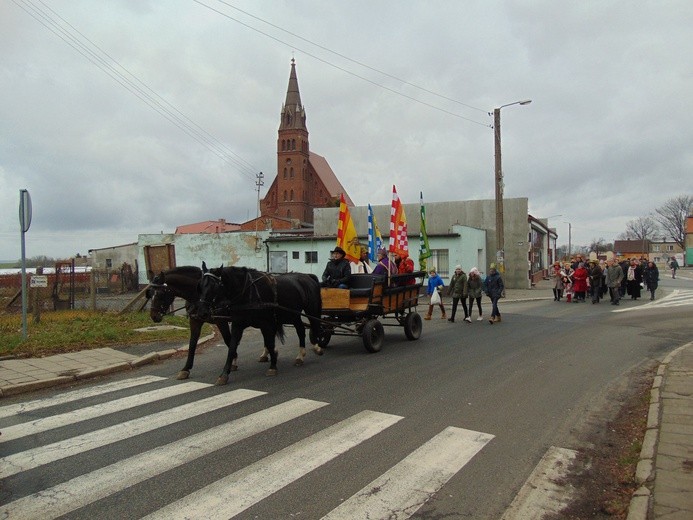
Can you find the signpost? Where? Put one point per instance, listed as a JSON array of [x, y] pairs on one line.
[[24, 223]]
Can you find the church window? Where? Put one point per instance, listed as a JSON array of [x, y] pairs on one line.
[[291, 173], [288, 213], [293, 144], [285, 197], [285, 173], [283, 145], [292, 195]]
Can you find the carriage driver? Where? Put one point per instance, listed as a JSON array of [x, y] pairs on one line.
[[337, 271]]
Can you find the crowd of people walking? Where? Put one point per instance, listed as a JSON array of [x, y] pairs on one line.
[[577, 279], [467, 291]]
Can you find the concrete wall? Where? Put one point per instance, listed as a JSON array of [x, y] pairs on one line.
[[440, 219], [230, 249], [117, 255]]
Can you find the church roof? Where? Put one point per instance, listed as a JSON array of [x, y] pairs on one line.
[[328, 177]]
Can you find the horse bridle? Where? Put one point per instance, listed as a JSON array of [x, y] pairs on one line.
[[165, 288]]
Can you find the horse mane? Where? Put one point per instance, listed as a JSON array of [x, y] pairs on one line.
[[185, 270]]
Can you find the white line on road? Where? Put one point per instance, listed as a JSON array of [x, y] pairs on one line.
[[98, 410], [234, 494], [36, 457], [402, 490], [542, 493], [85, 489], [75, 395]]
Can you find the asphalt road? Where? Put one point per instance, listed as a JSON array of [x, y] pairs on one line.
[[546, 376]]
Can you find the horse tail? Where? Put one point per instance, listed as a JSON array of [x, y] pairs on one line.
[[280, 331]]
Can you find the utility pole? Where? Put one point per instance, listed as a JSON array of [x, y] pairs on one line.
[[259, 183], [500, 231]]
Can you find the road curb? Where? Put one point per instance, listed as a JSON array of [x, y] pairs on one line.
[[642, 501], [146, 359]]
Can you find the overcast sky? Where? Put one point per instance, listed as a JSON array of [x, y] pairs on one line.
[[396, 92]]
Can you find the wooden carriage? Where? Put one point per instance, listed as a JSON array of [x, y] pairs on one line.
[[370, 303]]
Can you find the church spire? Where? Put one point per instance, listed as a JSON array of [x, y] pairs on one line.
[[293, 114]]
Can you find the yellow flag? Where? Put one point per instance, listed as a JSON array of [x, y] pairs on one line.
[[347, 238]]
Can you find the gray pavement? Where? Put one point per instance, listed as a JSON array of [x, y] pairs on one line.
[[665, 470]]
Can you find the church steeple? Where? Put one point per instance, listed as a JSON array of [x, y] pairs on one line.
[[293, 113]]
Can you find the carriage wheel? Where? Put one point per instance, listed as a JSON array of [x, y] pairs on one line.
[[412, 325], [324, 338], [373, 334]]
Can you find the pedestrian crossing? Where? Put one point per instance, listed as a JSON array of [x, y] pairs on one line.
[[677, 298], [403, 488]]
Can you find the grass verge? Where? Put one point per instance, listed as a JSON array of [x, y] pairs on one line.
[[68, 331]]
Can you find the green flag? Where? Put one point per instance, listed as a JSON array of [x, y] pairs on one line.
[[424, 248]]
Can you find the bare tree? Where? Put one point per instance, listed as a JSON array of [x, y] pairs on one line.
[[600, 246], [641, 228], [672, 217]]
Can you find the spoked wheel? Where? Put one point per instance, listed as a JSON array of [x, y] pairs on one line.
[[324, 338], [373, 334], [412, 325]]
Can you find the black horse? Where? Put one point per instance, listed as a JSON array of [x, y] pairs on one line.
[[182, 282], [251, 298]]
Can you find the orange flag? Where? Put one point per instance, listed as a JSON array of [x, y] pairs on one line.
[[347, 238]]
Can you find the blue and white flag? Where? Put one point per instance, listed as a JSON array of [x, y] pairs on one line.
[[375, 239]]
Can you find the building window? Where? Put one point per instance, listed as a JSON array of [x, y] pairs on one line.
[[439, 260], [295, 255], [283, 145], [288, 213], [285, 196], [291, 173], [293, 144], [285, 173], [109, 263], [655, 248], [292, 195], [670, 248], [311, 257]]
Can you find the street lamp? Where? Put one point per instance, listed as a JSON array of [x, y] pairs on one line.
[[500, 237]]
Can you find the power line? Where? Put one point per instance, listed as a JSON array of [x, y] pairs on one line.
[[137, 87], [405, 82], [326, 62]]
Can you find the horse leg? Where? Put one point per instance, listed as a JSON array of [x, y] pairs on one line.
[[195, 329], [236, 335], [225, 331], [313, 336], [268, 334], [264, 357], [301, 332]]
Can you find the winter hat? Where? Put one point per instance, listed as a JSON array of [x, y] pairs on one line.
[[474, 270], [458, 268]]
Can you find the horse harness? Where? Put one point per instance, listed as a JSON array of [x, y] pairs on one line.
[[250, 286]]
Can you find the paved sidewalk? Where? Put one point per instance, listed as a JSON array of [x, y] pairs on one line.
[[665, 469]]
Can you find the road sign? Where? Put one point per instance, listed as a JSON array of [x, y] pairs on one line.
[[24, 210], [38, 281]]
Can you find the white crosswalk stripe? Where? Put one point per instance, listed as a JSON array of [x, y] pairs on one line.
[[56, 421], [677, 298], [75, 395], [403, 488]]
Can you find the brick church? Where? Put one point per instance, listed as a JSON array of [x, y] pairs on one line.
[[304, 179]]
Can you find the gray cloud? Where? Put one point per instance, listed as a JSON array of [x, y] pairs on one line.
[[605, 140]]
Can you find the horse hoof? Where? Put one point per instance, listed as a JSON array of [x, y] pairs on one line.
[[222, 380], [263, 359], [272, 372], [318, 350], [298, 362], [183, 374]]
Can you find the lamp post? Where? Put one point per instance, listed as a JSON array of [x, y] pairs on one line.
[[500, 236]]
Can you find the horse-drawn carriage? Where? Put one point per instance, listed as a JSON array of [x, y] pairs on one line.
[[368, 305]]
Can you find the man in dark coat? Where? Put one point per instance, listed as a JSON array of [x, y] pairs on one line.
[[337, 271], [595, 273], [494, 288]]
